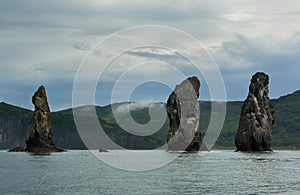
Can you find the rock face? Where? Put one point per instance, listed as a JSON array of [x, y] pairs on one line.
[[39, 133], [183, 112], [257, 117], [18, 149]]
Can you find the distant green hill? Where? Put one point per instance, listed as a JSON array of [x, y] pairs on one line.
[[14, 121], [286, 132]]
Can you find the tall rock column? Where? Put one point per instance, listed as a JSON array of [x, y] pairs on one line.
[[257, 117], [183, 112], [39, 133]]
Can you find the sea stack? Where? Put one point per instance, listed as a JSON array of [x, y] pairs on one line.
[[183, 112], [39, 133], [257, 117]]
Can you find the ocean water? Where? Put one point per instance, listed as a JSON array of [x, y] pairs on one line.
[[217, 172]]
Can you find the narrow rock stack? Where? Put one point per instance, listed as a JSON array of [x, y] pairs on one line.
[[39, 134], [257, 117], [183, 112]]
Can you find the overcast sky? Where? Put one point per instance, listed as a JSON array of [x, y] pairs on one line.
[[44, 42]]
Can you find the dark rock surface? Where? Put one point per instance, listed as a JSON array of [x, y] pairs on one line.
[[39, 133], [17, 149], [183, 112], [256, 118]]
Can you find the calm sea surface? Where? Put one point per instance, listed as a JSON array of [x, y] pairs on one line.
[[217, 172]]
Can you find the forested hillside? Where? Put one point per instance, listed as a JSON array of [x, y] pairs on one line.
[[14, 121]]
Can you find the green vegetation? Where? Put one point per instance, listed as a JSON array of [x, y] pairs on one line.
[[13, 112], [286, 133]]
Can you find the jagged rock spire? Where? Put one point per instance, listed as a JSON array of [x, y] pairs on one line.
[[257, 117], [39, 134], [183, 112]]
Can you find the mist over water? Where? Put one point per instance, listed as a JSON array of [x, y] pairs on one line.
[[217, 172]]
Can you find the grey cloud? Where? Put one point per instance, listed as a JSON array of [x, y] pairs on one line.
[[40, 69], [169, 56], [82, 46], [268, 50], [156, 53], [291, 13], [40, 36], [277, 56], [98, 53], [70, 71], [97, 17]]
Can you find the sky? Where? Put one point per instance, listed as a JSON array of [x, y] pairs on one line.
[[46, 43]]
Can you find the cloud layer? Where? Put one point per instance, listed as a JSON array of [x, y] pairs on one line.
[[45, 42]]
